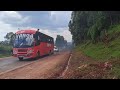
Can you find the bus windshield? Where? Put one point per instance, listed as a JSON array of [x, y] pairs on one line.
[[23, 41]]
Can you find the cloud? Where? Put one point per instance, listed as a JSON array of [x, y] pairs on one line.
[[39, 19], [10, 14], [60, 18], [47, 19], [4, 29], [63, 32], [52, 23], [13, 17]]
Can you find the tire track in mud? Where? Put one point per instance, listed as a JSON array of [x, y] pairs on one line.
[[66, 67]]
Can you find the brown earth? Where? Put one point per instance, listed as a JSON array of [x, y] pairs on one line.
[[59, 66], [83, 67], [51, 68]]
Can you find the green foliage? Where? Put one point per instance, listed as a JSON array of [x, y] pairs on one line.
[[114, 29], [10, 37], [99, 51], [116, 71], [91, 25], [60, 42], [5, 50]]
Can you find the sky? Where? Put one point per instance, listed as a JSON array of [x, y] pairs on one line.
[[52, 23]]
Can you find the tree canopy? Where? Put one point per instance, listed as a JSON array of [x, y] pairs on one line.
[[10, 37], [60, 41], [91, 25]]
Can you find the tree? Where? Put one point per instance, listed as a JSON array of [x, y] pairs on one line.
[[90, 25], [60, 41], [65, 42], [10, 37]]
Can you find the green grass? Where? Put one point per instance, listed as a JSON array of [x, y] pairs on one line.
[[4, 55], [114, 29], [5, 47], [99, 51], [116, 72]]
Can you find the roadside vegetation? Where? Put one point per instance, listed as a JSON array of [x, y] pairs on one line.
[[5, 51], [97, 44], [6, 45]]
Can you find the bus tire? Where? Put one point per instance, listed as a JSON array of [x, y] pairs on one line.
[[20, 59], [38, 55], [50, 53]]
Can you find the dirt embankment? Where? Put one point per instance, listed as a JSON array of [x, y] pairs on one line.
[[83, 67]]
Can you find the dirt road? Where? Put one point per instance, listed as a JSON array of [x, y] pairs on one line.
[[44, 68], [10, 63]]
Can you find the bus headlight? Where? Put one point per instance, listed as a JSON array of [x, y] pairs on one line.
[[14, 51], [30, 51]]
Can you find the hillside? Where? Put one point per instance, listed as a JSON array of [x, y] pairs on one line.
[[97, 61]]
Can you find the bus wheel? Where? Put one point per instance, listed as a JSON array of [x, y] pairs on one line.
[[38, 55], [50, 52], [20, 58]]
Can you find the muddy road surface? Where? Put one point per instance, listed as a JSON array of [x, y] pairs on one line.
[[44, 68]]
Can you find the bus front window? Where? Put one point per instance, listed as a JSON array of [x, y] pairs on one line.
[[24, 41]]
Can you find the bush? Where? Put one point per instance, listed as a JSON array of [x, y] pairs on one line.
[[5, 49]]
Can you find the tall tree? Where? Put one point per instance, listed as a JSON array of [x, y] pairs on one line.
[[60, 41], [91, 25], [10, 37]]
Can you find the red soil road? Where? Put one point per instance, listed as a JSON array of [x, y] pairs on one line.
[[46, 68]]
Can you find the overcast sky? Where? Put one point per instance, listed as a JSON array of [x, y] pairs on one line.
[[49, 22]]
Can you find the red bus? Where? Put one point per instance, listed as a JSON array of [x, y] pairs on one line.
[[25, 45]]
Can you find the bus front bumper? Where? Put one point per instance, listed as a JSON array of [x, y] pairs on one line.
[[30, 55]]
